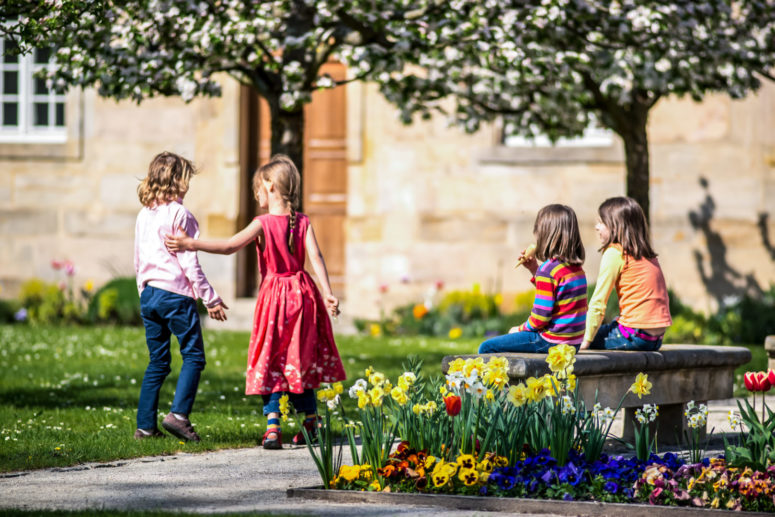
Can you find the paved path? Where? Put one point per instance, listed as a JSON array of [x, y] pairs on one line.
[[240, 480]]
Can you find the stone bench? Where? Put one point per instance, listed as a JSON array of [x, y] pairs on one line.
[[678, 373]]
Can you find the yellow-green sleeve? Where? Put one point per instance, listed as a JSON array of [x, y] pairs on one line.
[[611, 264]]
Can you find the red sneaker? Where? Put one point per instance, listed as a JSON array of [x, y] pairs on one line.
[[312, 430]]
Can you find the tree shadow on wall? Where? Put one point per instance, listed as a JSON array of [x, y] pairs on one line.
[[764, 226], [725, 283]]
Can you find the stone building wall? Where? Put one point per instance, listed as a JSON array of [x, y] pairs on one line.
[[78, 201], [429, 203], [425, 202]]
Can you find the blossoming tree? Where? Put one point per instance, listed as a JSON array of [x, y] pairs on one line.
[[554, 67], [137, 49]]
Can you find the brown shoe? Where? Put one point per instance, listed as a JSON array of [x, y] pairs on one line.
[[180, 428], [140, 435]]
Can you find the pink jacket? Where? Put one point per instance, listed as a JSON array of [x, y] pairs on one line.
[[156, 266]]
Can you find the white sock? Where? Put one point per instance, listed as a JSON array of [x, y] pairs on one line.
[[179, 416], [145, 432]]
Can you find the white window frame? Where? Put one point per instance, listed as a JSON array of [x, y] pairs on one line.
[[593, 136], [25, 132]]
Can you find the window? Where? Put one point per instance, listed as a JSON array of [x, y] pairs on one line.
[[29, 110], [593, 136]]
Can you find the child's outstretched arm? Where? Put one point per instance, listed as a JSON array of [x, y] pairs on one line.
[[181, 241], [319, 266]]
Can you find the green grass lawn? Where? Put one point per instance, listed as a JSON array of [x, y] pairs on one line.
[[68, 394]]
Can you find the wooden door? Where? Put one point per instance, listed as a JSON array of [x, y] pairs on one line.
[[324, 175]]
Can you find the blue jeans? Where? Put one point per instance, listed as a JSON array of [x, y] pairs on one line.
[[609, 337], [302, 402], [165, 313], [516, 342]]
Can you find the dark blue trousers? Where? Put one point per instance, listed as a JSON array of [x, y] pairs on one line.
[[165, 313]]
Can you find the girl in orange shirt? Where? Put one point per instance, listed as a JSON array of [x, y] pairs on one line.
[[629, 264]]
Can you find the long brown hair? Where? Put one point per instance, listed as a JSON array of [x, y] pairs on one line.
[[627, 227], [282, 172], [168, 178], [557, 235]]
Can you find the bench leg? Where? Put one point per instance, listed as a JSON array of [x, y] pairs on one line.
[[669, 426]]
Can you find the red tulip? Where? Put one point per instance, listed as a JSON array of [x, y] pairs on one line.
[[757, 381], [453, 404], [771, 377]]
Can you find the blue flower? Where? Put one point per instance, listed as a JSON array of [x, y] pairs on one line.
[[611, 487], [567, 497], [20, 315]]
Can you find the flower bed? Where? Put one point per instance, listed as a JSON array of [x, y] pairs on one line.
[[473, 434]]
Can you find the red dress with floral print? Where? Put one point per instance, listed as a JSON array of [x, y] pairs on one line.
[[292, 345]]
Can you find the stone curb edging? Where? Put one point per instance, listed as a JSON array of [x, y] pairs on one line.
[[513, 505]]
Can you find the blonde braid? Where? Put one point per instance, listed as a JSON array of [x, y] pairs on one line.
[[291, 227]]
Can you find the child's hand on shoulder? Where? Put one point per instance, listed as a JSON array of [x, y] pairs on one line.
[[332, 304], [179, 242], [218, 312]]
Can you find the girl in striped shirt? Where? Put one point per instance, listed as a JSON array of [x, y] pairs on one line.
[[560, 308]]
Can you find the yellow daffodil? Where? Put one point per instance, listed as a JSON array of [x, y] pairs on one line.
[[552, 385], [641, 386], [399, 395], [377, 379], [489, 395], [560, 359], [338, 388], [88, 286], [416, 409], [571, 382], [517, 395], [284, 407], [457, 365], [363, 399], [368, 371], [455, 332], [443, 390], [376, 394], [472, 364], [375, 329], [536, 389]]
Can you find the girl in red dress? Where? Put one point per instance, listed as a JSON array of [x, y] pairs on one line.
[[292, 348]]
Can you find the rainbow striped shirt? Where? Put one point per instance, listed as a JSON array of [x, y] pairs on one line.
[[560, 307]]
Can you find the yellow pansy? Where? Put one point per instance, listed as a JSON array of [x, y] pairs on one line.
[[466, 461], [440, 479], [469, 477], [374, 486]]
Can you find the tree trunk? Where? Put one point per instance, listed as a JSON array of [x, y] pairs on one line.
[[288, 138], [636, 149]]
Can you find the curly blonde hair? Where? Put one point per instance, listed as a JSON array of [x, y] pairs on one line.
[[168, 178], [282, 172]]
